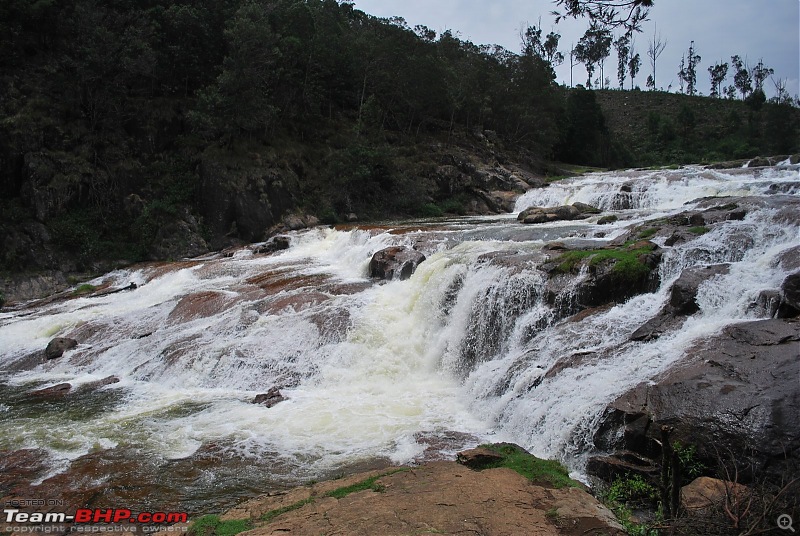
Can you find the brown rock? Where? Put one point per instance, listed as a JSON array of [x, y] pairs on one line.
[[704, 493], [54, 391], [438, 497], [478, 458], [270, 398]]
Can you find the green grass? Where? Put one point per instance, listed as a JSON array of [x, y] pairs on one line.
[[549, 472], [699, 230], [211, 525], [84, 289], [647, 233], [272, 514]]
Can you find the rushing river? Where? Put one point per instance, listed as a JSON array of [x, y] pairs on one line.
[[399, 371]]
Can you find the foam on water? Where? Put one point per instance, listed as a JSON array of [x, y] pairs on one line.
[[463, 345]]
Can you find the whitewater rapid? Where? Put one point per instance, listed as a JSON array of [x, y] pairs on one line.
[[370, 368]]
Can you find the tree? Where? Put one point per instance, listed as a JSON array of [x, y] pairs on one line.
[[628, 14], [688, 70], [623, 47], [633, 66], [547, 49], [760, 73], [741, 77], [654, 50], [718, 72], [593, 48]]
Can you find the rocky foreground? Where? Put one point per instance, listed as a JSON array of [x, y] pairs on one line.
[[441, 497]]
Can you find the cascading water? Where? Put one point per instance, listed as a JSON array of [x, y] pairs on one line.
[[470, 343]]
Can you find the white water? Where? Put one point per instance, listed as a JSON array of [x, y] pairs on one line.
[[463, 345]]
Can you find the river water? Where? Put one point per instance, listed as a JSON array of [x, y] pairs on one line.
[[399, 371]]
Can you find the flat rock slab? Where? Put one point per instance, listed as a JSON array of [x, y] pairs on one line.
[[436, 498]]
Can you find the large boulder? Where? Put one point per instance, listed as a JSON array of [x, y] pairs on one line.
[[395, 262], [549, 214], [733, 394]]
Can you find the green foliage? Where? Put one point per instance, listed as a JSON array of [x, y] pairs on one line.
[[625, 493], [691, 467], [2, 299], [549, 472], [211, 525], [84, 289], [699, 230]]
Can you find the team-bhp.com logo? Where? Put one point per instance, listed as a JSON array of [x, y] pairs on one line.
[[96, 515]]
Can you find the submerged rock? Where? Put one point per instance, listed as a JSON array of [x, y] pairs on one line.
[[395, 262], [58, 346], [54, 391], [276, 243]]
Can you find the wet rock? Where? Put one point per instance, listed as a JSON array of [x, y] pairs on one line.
[[622, 464], [91, 386], [478, 458], [683, 294], [270, 398], [607, 219], [58, 346], [54, 391], [682, 301], [395, 262], [548, 214], [735, 393], [790, 291], [199, 305], [276, 243], [585, 208]]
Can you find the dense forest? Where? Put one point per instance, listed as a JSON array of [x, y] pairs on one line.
[[150, 129]]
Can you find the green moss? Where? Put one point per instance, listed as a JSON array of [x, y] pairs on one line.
[[211, 525], [84, 289], [699, 230], [549, 472], [647, 233], [272, 514], [627, 264]]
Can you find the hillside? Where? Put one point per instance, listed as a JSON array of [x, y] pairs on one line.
[[659, 128]]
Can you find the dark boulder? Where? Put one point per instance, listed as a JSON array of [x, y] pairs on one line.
[[605, 220], [276, 243], [91, 386], [733, 394], [395, 262], [270, 398], [58, 346], [790, 291]]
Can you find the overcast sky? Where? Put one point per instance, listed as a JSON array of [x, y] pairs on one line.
[[768, 29]]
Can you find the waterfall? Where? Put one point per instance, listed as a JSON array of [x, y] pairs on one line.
[[472, 342]]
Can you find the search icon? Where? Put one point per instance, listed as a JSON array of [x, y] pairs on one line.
[[785, 522]]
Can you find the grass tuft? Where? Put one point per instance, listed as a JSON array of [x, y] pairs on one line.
[[549, 472], [211, 525]]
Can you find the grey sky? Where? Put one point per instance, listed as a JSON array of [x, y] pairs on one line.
[[768, 29]]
